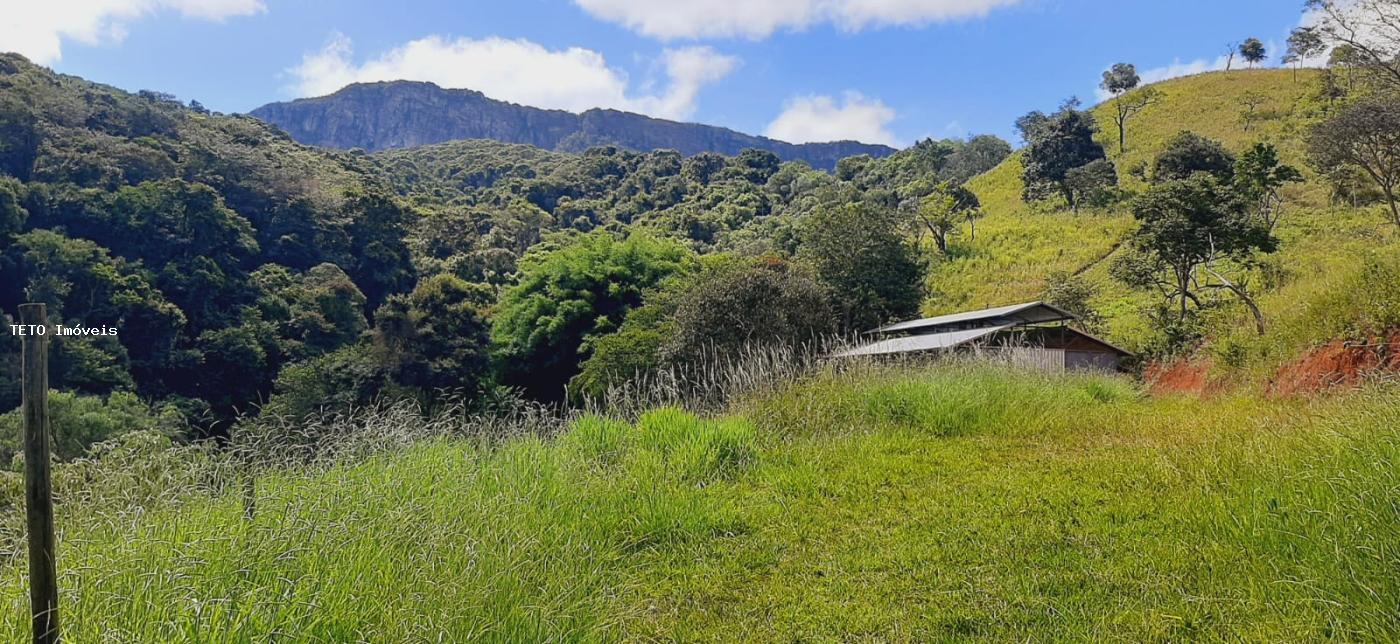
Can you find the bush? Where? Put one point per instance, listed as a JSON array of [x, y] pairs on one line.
[[333, 383], [569, 297], [768, 302], [80, 421]]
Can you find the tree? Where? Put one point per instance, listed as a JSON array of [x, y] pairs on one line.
[[1120, 81], [436, 338], [754, 166], [235, 370], [1303, 43], [1188, 153], [1365, 135], [634, 350], [336, 382], [856, 250], [765, 302], [1369, 29], [973, 157], [1073, 293], [197, 245], [1232, 49], [379, 260], [1259, 177], [943, 209], [568, 297], [20, 136], [1187, 227], [1251, 101], [82, 283], [12, 213], [1252, 50], [1055, 145], [1092, 184], [316, 312]]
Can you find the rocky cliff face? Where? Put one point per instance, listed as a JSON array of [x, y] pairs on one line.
[[376, 116]]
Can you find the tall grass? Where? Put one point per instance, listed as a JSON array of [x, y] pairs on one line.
[[441, 540], [824, 501], [976, 503]]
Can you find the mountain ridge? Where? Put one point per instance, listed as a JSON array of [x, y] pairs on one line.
[[398, 114]]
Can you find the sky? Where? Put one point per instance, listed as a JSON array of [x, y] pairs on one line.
[[879, 71]]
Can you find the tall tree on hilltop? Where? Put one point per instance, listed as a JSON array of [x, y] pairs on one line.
[[1120, 81], [1303, 43], [1253, 52], [1232, 49]]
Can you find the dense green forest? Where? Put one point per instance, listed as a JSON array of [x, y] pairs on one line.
[[245, 271], [248, 274]]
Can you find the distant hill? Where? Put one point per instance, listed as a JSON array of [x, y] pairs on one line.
[[400, 114]]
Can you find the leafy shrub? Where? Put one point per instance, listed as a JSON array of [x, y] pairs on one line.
[[79, 421], [569, 297]]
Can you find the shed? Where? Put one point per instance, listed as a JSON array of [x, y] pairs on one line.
[[1035, 334]]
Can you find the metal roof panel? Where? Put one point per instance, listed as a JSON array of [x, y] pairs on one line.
[[927, 342], [1028, 313]]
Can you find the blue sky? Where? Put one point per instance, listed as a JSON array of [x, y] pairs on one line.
[[890, 71]]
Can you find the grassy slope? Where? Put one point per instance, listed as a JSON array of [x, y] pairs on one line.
[[1017, 245], [898, 506]]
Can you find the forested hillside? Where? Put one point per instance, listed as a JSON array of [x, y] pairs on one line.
[[247, 271], [401, 114], [243, 269]]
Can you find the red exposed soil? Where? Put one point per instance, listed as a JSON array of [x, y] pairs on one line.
[[1338, 363], [1185, 376]]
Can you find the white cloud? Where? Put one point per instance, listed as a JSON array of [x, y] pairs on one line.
[[519, 71], [808, 119], [760, 18], [37, 28]]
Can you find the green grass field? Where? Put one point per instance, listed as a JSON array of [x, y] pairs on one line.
[[931, 504]]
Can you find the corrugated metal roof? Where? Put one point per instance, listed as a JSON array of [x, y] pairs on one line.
[[927, 342], [1028, 313]]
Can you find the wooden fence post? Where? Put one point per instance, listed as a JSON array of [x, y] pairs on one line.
[[38, 492]]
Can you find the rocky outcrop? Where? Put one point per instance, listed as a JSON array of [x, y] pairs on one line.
[[399, 114]]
